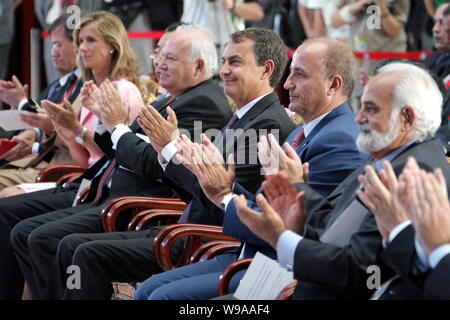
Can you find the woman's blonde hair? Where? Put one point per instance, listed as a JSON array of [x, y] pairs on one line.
[[123, 63]]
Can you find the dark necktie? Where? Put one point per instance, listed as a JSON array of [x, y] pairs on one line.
[[55, 93], [70, 87], [184, 217], [103, 180], [298, 139], [231, 123]]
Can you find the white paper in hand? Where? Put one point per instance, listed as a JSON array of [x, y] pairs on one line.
[[263, 280], [10, 120]]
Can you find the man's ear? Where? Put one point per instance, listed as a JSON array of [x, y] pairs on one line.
[[200, 67], [336, 83], [269, 67], [408, 117]]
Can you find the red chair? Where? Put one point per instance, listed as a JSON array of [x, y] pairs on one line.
[[60, 173]]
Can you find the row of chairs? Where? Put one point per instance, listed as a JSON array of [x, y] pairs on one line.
[[135, 213], [132, 213]]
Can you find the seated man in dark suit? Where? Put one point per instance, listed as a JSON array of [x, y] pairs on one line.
[[428, 207], [250, 84], [331, 252], [319, 85], [413, 214], [197, 98]]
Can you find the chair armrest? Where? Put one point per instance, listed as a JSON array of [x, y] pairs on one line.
[[211, 249], [53, 172], [68, 178], [229, 272], [193, 232], [82, 196], [156, 216], [201, 250], [119, 206]]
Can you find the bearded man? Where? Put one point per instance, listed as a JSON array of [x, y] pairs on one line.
[[331, 253]]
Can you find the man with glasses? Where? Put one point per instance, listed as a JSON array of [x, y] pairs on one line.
[[20, 169]]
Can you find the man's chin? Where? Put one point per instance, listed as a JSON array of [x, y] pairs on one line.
[[365, 144]]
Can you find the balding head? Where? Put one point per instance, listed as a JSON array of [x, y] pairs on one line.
[[188, 58], [322, 77], [338, 60]]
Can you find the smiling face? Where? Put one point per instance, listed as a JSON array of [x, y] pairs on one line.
[[306, 82], [94, 50], [176, 73], [156, 54], [241, 75], [63, 52]]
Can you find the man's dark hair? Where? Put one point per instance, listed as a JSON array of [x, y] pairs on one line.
[[174, 25], [61, 21], [446, 10], [267, 46]]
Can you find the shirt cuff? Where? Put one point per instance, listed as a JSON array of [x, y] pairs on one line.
[[226, 200], [422, 258], [118, 132], [169, 151], [38, 133], [286, 245], [35, 148], [100, 129], [162, 162], [398, 229], [22, 103], [438, 254]]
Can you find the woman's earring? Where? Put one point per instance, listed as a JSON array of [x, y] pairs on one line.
[[111, 51]]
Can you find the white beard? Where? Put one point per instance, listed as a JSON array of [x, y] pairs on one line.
[[370, 140]]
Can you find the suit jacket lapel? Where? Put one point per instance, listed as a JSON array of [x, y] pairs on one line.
[[249, 116], [257, 109], [342, 109], [158, 104]]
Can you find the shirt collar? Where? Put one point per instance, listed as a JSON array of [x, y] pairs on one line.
[[242, 111], [309, 127], [378, 164], [63, 79]]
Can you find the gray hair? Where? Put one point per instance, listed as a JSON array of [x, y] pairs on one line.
[[417, 89], [202, 48]]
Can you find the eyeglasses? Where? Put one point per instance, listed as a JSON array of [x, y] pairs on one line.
[[56, 46], [154, 54]]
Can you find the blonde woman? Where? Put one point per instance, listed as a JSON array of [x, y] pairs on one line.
[[104, 53]]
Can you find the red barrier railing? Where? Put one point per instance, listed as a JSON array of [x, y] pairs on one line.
[[381, 55], [361, 55]]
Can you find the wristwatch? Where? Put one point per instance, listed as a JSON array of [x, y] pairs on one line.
[[82, 136]]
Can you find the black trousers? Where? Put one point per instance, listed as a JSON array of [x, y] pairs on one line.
[[35, 241], [101, 259], [12, 211]]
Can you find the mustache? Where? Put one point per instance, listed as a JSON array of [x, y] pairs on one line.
[[365, 127]]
